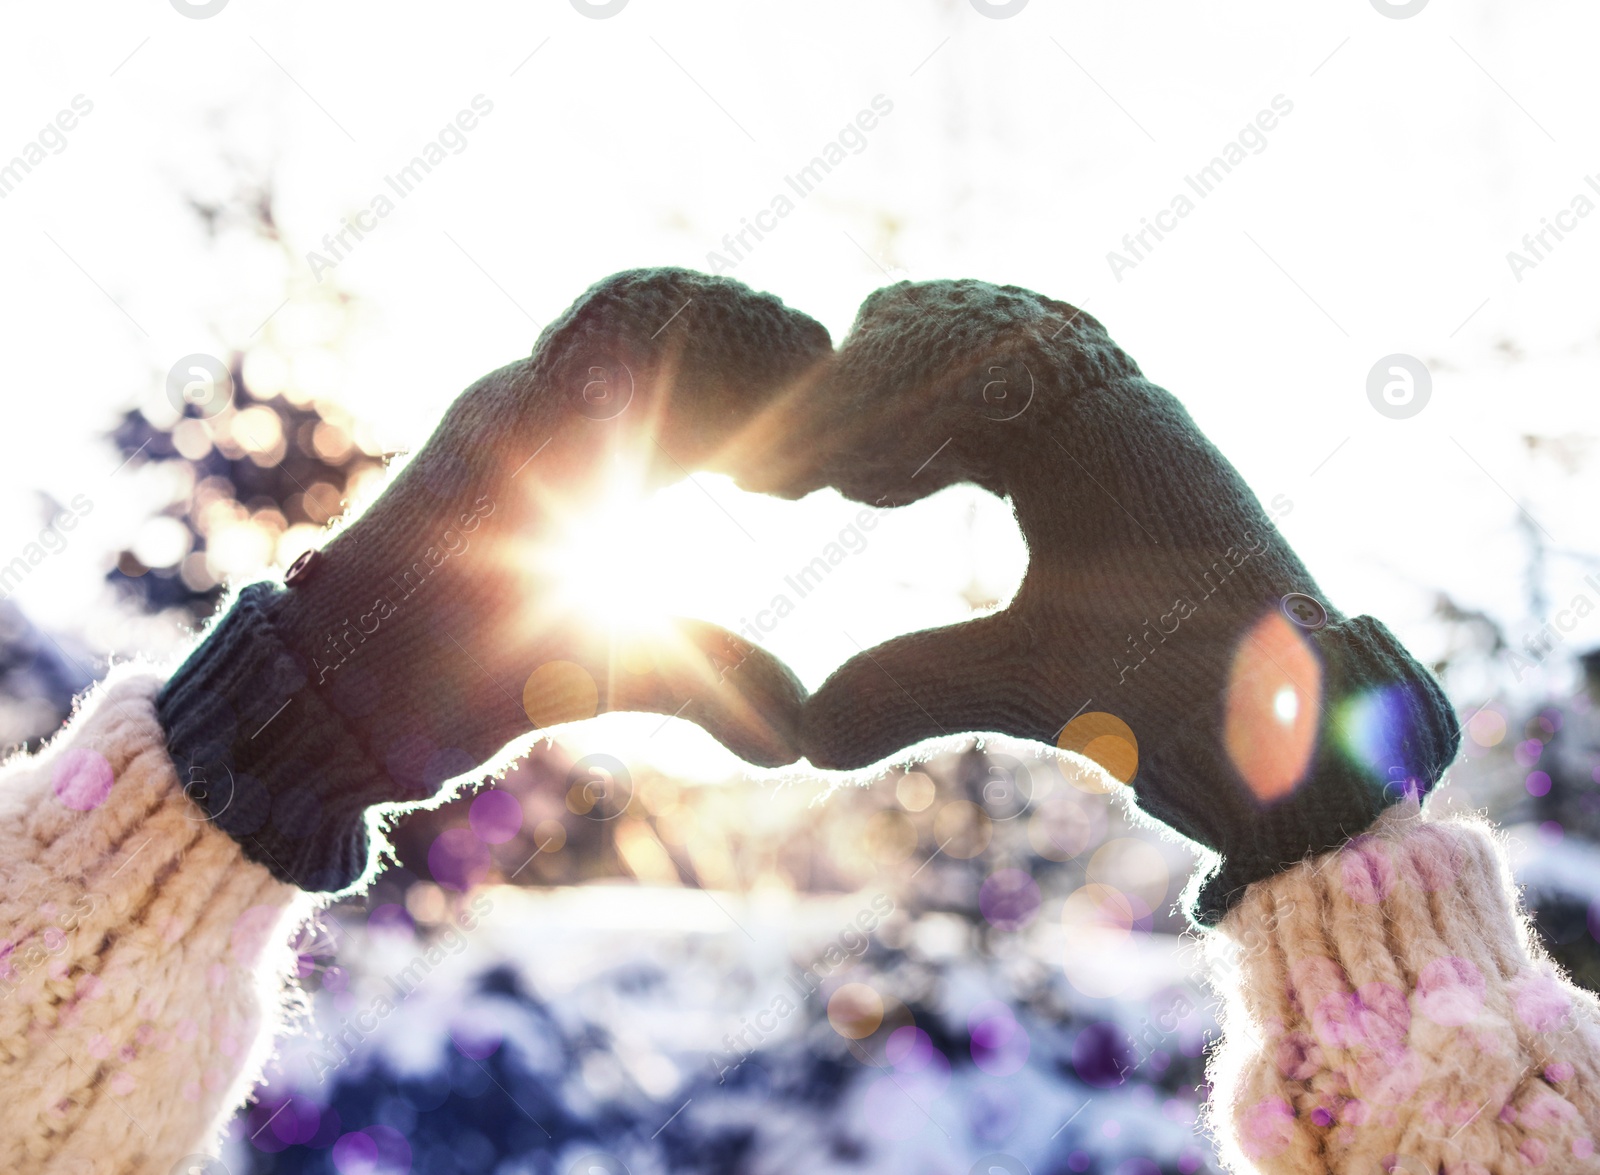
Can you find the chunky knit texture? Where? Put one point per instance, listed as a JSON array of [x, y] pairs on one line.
[[294, 797], [433, 629], [1388, 1009], [1158, 592], [142, 957]]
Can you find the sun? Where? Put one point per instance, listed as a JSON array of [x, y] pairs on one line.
[[632, 553], [603, 561], [626, 560]]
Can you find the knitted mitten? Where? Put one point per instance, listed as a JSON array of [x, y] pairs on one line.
[[1164, 628], [433, 630]]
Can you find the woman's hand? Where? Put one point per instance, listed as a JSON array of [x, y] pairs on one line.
[[443, 623], [1164, 628]]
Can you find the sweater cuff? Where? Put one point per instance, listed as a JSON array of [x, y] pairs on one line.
[[1389, 1009], [137, 949], [266, 755], [1387, 734]]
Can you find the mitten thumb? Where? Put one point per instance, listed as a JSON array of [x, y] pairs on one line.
[[743, 696], [969, 677]]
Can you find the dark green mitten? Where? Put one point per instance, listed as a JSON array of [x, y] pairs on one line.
[[430, 632], [1164, 628]]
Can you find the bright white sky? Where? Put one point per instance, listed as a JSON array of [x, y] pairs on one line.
[[1376, 220]]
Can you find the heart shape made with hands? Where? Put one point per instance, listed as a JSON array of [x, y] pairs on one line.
[[1164, 630]]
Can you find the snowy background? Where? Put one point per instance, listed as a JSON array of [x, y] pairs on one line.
[[176, 217]]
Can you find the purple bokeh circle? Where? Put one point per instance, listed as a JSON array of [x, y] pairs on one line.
[[1102, 1056], [495, 816], [458, 860], [1009, 899], [908, 1049]]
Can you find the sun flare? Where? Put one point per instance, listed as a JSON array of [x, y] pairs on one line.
[[604, 563], [627, 560]]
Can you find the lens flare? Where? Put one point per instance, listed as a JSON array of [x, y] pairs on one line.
[[1375, 729], [1274, 692]]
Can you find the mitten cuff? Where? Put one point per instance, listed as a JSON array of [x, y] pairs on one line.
[[266, 757], [1387, 733]]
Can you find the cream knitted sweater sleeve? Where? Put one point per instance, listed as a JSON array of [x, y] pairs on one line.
[[142, 956], [1387, 1009]]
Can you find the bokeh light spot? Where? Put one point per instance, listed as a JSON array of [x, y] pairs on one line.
[[355, 1154], [377, 1150], [495, 816], [458, 860], [889, 837], [999, 1045], [1104, 739], [549, 836], [1131, 866], [1009, 899], [855, 1011], [909, 1049], [1487, 727], [560, 691], [962, 829], [1102, 1055], [915, 791]]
